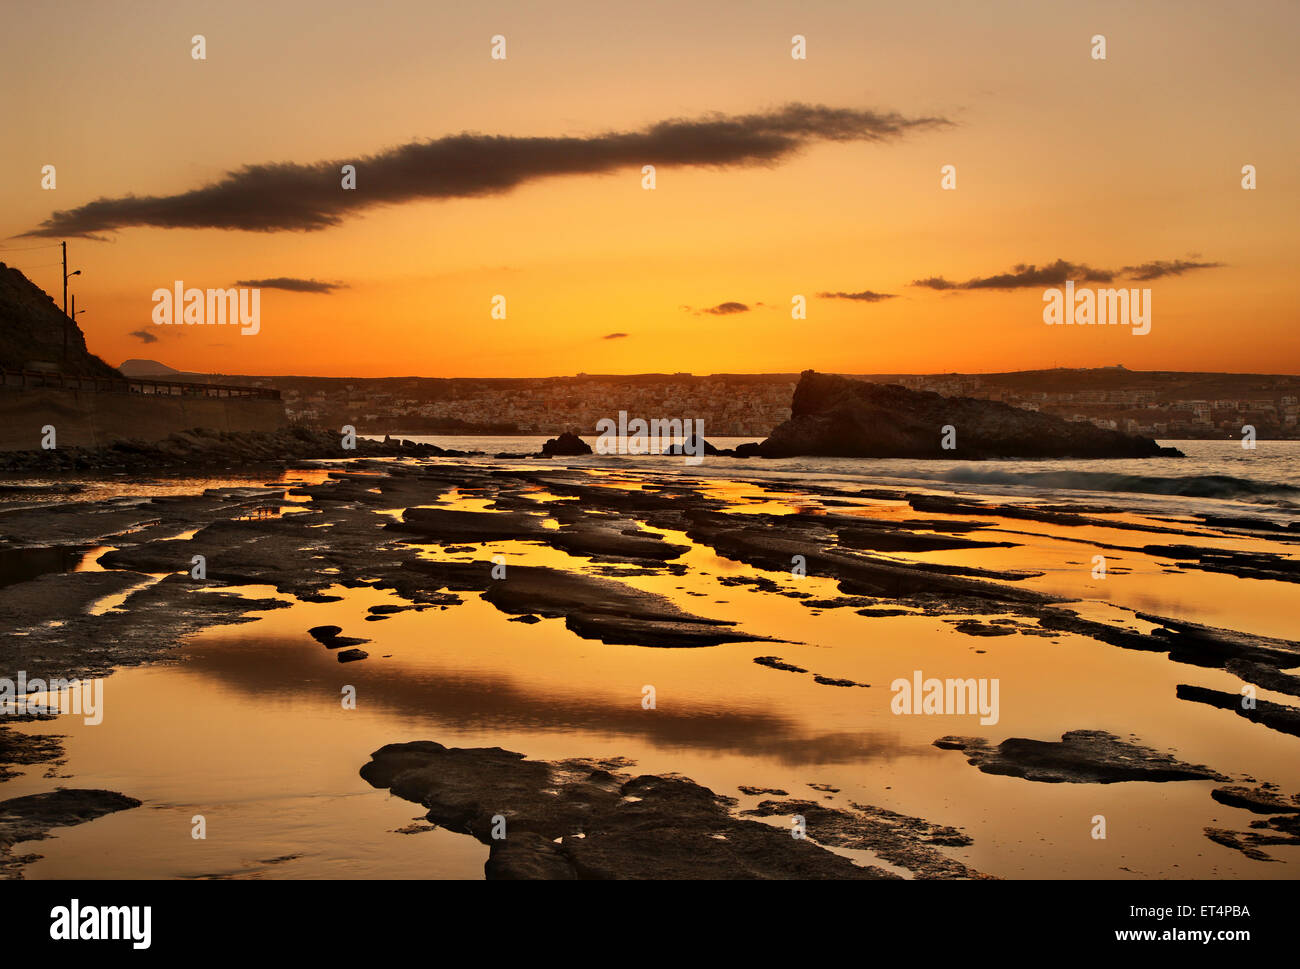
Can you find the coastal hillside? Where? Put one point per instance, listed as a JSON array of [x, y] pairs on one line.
[[36, 335]]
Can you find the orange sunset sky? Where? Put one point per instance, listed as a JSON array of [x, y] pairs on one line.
[[1111, 164]]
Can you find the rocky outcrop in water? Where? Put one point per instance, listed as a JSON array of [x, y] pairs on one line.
[[592, 606], [833, 416], [567, 444], [29, 818], [1281, 827], [1079, 757]]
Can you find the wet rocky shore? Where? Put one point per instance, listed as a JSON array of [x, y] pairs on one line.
[[422, 529]]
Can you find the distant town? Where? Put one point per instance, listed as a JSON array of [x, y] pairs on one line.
[[1161, 404]]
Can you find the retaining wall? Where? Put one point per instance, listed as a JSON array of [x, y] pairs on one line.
[[94, 419]]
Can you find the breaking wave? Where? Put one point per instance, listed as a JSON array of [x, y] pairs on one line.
[[1190, 486]]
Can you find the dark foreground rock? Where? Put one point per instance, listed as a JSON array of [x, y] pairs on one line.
[[211, 449], [897, 838], [1201, 645], [29, 818], [613, 539], [1243, 564], [588, 819], [834, 416], [86, 644], [776, 663], [771, 542], [328, 636], [1276, 716], [22, 749], [1280, 828], [593, 607], [1257, 800], [1261, 674], [1080, 757], [1247, 842]]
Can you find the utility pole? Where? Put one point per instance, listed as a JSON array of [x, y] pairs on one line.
[[65, 302], [66, 276]]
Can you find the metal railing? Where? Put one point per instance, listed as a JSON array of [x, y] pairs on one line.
[[124, 385]]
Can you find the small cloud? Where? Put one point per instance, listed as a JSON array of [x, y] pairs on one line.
[[144, 336], [726, 309], [866, 296], [292, 285], [614, 336], [935, 282], [1159, 268]]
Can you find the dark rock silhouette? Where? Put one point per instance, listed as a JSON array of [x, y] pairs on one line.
[[593, 606], [591, 819], [328, 636], [30, 818], [695, 445], [209, 449], [1079, 757], [833, 416], [35, 333], [567, 443]]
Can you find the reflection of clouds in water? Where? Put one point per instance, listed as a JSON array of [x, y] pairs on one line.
[[282, 669]]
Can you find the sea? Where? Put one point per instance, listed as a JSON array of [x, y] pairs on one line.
[[1214, 477]]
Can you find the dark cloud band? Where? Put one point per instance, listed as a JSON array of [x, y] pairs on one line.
[[1159, 268], [1058, 273], [1024, 275], [291, 197]]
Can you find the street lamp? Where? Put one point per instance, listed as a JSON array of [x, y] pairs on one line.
[[66, 276]]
